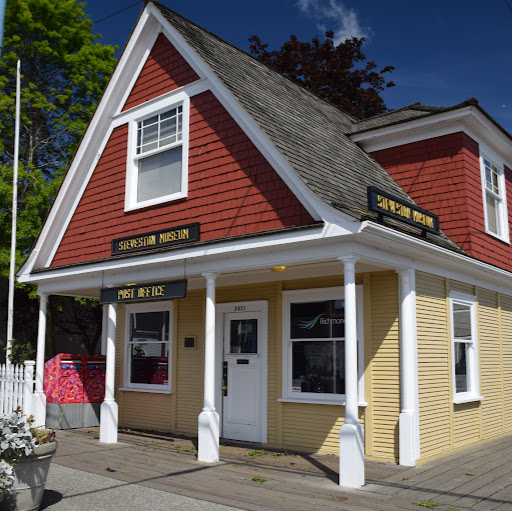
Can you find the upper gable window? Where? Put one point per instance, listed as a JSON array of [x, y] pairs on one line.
[[157, 167], [494, 200]]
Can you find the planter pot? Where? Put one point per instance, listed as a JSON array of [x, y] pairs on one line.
[[30, 477]]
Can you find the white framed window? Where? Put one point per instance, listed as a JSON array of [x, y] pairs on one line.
[[314, 345], [464, 347], [157, 167], [495, 210], [148, 347]]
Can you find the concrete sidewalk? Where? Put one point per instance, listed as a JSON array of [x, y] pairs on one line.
[[156, 470]]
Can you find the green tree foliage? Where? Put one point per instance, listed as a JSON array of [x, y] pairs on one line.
[[63, 73], [64, 70], [340, 74]]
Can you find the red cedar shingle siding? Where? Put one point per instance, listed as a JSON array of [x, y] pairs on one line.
[[443, 176], [164, 71], [233, 190]]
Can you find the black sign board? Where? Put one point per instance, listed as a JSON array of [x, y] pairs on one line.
[[144, 292], [389, 205], [156, 239]]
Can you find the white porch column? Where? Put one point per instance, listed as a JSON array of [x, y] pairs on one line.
[[108, 409], [407, 424], [39, 402], [208, 441], [104, 327], [351, 433]]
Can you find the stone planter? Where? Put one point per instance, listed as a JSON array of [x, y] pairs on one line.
[[30, 477]]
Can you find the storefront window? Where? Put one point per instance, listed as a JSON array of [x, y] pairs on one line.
[[314, 340], [148, 347], [317, 364]]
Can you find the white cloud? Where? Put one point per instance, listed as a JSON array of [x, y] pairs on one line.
[[334, 16]]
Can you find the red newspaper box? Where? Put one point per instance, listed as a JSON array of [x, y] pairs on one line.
[[74, 386]]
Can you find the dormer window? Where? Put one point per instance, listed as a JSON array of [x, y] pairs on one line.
[[494, 200], [157, 170]]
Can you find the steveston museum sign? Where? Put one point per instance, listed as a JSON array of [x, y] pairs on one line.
[[156, 239]]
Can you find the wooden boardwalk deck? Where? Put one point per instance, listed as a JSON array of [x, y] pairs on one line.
[[479, 479]]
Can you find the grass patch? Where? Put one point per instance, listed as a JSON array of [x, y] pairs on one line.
[[429, 504], [258, 479], [257, 453]]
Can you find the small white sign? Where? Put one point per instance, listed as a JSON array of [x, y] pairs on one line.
[[296, 389]]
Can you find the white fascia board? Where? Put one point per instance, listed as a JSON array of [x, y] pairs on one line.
[[89, 151], [249, 253], [315, 207], [407, 132], [433, 259], [469, 120]]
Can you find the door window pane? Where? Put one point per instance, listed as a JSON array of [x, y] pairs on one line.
[[244, 336]]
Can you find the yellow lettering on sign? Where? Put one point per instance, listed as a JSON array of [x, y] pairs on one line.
[[423, 219], [394, 207], [177, 235], [125, 294], [143, 241]]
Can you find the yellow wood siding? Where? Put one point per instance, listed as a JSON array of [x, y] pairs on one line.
[[506, 335], [385, 379], [190, 362], [489, 361], [143, 410], [433, 364]]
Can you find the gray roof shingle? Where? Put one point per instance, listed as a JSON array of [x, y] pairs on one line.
[[308, 131]]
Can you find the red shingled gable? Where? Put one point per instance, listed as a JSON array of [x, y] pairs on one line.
[[442, 175], [233, 190], [165, 70]]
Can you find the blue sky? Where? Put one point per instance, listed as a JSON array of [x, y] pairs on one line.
[[444, 51]]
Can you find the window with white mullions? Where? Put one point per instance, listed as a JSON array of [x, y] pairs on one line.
[[494, 198], [148, 346], [158, 154], [160, 130], [464, 342]]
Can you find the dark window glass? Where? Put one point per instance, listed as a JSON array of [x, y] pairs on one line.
[[317, 366], [149, 348], [461, 376], [317, 320], [244, 336]]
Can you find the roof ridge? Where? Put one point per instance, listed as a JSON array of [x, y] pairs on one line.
[[247, 54]]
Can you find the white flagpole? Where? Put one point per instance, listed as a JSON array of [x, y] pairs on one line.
[[10, 309]]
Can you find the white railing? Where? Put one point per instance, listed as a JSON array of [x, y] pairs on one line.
[[16, 387]]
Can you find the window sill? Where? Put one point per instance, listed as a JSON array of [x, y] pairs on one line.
[[318, 401], [503, 239], [151, 391], [467, 399]]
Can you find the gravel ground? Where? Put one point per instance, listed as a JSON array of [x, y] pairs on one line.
[[68, 489]]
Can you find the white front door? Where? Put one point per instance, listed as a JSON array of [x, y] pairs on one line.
[[244, 375]]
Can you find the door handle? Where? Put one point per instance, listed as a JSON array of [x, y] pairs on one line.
[[225, 378]]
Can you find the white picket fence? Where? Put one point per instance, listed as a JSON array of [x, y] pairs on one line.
[[17, 387]]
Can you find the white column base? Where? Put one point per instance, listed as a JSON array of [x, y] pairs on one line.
[[406, 433], [39, 409], [108, 422], [208, 440], [351, 456]]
